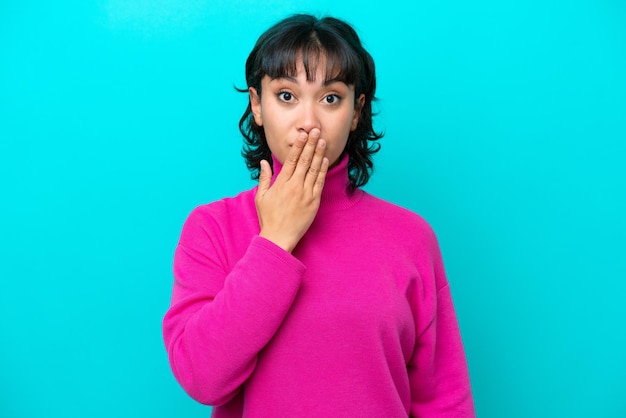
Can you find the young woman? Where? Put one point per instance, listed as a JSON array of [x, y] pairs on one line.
[[307, 296]]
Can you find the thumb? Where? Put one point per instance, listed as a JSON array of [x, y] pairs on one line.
[[265, 177]]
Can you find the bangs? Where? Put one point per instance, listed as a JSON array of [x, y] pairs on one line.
[[328, 48], [280, 56]]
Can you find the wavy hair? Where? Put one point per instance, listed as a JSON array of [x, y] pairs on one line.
[[308, 38]]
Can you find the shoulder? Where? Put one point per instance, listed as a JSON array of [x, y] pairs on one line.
[[397, 217], [410, 238], [224, 206], [400, 229], [206, 219]]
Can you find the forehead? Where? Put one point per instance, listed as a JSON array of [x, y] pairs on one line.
[[321, 75], [315, 61]]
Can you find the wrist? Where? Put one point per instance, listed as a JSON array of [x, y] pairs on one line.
[[285, 244]]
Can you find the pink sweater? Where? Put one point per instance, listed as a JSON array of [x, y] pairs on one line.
[[357, 322]]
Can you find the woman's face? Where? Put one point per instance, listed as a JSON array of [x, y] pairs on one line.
[[288, 106]]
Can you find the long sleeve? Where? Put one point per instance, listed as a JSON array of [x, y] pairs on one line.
[[220, 316], [438, 373]]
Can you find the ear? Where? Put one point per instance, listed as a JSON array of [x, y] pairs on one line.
[[357, 111], [255, 105]]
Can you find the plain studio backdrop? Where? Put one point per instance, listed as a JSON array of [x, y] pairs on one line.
[[505, 128]]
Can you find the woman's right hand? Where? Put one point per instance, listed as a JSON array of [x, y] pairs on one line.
[[287, 208]]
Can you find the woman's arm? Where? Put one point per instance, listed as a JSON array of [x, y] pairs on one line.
[[219, 321], [438, 373]]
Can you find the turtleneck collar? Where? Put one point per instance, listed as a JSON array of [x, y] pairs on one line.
[[335, 195]]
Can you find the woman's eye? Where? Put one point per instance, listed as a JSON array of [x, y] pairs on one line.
[[332, 99], [285, 96]]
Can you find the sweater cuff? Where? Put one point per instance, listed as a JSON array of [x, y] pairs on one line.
[[278, 254]]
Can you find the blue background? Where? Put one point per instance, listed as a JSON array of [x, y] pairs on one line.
[[505, 122]]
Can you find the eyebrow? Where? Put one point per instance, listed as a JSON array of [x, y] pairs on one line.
[[326, 83], [334, 80], [285, 77]]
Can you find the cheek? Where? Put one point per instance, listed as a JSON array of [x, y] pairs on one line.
[[340, 139], [348, 125]]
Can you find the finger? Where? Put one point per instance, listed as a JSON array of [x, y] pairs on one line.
[[306, 157], [321, 178], [265, 178], [291, 161], [316, 165]]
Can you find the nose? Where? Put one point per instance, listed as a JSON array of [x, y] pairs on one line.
[[308, 118]]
